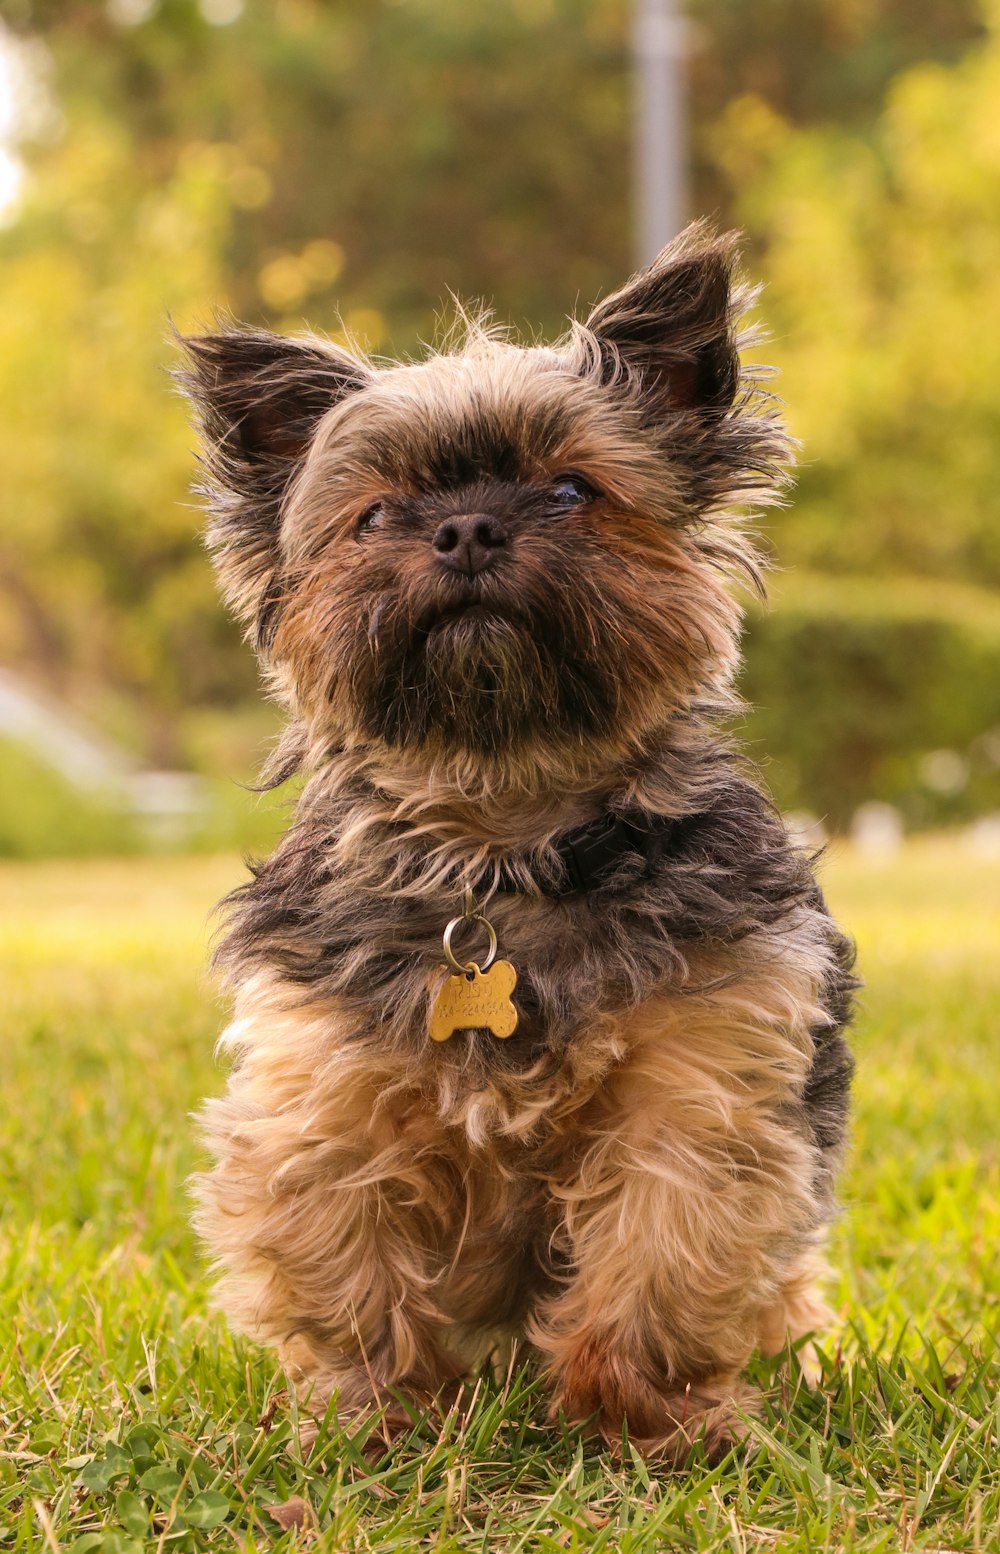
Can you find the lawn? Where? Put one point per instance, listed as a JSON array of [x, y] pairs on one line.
[[130, 1419]]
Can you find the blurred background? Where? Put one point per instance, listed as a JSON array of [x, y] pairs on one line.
[[348, 163]]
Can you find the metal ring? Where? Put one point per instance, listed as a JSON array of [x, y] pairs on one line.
[[491, 954]]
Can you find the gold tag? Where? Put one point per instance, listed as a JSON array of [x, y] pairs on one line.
[[476, 998]]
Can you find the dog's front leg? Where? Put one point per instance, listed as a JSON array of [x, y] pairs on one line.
[[682, 1220], [327, 1212]]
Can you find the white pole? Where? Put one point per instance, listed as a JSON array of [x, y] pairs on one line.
[[660, 142]]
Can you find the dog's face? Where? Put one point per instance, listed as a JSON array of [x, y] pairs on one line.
[[498, 550]]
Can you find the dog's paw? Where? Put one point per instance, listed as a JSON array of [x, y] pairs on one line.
[[616, 1399], [695, 1421]]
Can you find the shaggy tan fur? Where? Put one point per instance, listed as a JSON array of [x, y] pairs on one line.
[[368, 1222], [639, 1178]]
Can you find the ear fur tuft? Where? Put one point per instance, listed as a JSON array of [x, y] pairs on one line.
[[668, 343], [672, 326], [259, 398]]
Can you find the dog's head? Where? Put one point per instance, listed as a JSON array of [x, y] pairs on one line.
[[500, 549]]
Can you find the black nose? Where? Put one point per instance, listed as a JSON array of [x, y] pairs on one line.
[[470, 542]]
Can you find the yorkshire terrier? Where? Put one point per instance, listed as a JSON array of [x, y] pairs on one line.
[[538, 1008]]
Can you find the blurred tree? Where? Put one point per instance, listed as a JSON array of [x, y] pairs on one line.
[[883, 261], [291, 157], [391, 151], [440, 145], [104, 587], [820, 59]]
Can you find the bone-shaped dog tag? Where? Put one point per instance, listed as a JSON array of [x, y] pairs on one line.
[[476, 998]]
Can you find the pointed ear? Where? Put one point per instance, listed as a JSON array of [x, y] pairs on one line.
[[670, 329], [259, 398]]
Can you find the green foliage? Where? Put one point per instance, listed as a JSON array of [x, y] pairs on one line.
[[431, 145], [133, 1421], [42, 816], [857, 689], [883, 261], [103, 577], [352, 161]]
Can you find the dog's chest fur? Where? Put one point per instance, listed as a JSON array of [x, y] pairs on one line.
[[349, 911]]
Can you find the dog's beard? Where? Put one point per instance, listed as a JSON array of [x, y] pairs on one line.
[[566, 654], [480, 673]]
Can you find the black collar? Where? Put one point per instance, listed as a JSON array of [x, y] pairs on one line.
[[591, 856]]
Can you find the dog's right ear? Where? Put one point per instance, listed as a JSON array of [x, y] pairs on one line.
[[259, 398], [671, 328]]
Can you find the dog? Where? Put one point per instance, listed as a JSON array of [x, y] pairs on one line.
[[538, 1010]]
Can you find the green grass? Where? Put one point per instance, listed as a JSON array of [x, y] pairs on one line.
[[130, 1419]]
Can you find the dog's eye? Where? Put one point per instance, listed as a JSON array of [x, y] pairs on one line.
[[568, 491], [371, 517]]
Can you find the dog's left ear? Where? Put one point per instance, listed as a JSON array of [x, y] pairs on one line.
[[259, 398], [670, 329]]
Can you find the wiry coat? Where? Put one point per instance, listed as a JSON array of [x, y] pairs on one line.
[[640, 1178]]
